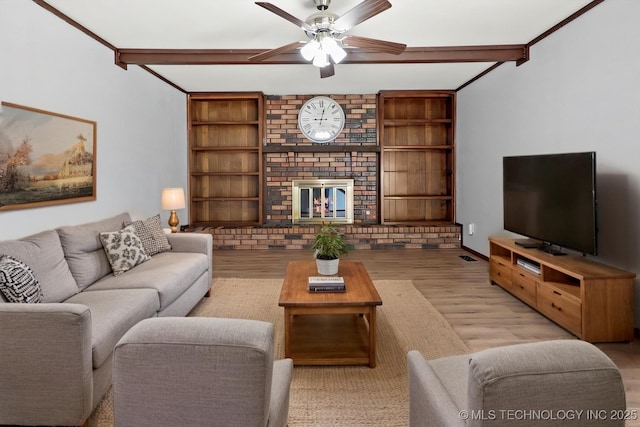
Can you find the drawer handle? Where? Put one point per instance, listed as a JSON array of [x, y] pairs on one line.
[[557, 293], [555, 306], [521, 275]]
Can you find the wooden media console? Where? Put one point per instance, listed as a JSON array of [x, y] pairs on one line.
[[591, 300]]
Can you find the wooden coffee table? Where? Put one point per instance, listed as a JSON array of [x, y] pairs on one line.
[[329, 328]]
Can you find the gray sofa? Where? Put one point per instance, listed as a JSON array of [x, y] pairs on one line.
[[547, 383], [57, 355]]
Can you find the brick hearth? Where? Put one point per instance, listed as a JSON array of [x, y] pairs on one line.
[[360, 236]]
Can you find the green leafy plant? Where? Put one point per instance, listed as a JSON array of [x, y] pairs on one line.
[[329, 243]]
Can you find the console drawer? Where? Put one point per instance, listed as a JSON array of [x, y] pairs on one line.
[[524, 287], [500, 272], [560, 307]]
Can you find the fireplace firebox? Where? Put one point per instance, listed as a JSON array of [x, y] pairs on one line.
[[316, 201]]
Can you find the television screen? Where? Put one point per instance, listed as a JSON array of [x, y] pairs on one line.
[[552, 198]]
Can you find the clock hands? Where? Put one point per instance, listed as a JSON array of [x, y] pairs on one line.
[[321, 117]]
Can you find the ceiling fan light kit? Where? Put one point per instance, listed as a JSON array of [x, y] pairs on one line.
[[325, 33], [320, 47]]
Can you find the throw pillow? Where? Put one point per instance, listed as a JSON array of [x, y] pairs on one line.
[[152, 235], [124, 249], [17, 281]]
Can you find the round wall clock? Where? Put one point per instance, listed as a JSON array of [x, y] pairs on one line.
[[321, 119]]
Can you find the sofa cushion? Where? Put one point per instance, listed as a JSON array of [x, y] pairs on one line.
[[83, 249], [113, 313], [43, 254], [170, 273], [17, 281], [152, 235], [124, 249]]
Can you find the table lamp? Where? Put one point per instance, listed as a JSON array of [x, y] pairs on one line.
[[172, 199]]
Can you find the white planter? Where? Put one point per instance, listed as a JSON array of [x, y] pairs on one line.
[[327, 267]]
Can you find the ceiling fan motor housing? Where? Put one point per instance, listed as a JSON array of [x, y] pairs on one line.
[[322, 4], [322, 22]]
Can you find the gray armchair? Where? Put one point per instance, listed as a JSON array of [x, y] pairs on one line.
[[199, 371], [549, 383]]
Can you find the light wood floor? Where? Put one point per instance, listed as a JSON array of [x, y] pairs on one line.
[[482, 314]]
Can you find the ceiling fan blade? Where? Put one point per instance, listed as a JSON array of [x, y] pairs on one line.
[[273, 52], [360, 13], [281, 13], [374, 44], [327, 71]]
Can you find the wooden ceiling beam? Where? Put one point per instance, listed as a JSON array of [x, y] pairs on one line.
[[412, 55]]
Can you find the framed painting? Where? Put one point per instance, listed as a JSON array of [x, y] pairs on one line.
[[45, 158]]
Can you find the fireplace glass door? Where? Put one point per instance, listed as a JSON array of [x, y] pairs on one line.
[[322, 200]]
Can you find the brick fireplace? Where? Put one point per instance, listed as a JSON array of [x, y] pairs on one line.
[[354, 155], [289, 156]]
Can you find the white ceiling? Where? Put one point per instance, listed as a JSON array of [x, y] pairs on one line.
[[240, 24]]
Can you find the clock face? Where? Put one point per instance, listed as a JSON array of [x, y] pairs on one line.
[[321, 119]]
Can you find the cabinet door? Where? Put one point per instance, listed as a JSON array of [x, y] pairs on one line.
[[524, 287], [559, 307], [500, 272]]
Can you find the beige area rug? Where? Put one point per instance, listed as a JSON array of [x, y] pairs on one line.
[[339, 396]]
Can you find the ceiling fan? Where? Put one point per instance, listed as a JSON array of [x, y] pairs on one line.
[[326, 34]]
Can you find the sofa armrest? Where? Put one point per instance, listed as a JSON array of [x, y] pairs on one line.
[[548, 375], [194, 242], [280, 390], [45, 353], [430, 403], [191, 242]]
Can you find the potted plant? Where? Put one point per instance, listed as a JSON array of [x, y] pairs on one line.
[[328, 245]]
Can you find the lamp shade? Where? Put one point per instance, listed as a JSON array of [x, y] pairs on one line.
[[330, 46], [172, 198], [309, 50]]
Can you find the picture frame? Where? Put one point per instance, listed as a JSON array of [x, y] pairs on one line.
[[46, 158]]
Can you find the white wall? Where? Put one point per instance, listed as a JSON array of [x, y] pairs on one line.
[[579, 92], [141, 121]]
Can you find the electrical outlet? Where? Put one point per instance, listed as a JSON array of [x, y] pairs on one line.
[[472, 229]]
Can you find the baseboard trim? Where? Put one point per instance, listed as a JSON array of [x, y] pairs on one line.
[[478, 254]]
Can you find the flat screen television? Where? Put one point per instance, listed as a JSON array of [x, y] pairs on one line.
[[552, 198]]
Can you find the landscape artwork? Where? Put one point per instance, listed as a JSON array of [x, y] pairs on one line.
[[45, 158]]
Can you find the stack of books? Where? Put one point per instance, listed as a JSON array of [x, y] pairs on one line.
[[326, 284]]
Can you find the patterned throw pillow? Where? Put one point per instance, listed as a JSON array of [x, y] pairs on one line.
[[152, 235], [124, 249], [17, 281]]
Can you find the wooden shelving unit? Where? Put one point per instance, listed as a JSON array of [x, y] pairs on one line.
[[591, 300], [225, 158], [416, 130]]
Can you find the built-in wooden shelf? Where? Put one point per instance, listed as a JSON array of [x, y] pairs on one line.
[[225, 158], [416, 131]]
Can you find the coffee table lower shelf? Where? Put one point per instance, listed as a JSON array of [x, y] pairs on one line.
[[329, 339]]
